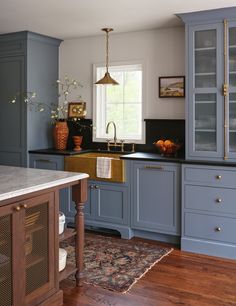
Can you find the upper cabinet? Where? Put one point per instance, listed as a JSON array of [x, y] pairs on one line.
[[28, 63], [211, 84]]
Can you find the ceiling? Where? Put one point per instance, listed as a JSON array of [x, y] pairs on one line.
[[78, 18]]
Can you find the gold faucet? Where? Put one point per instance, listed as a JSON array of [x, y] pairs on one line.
[[114, 144]]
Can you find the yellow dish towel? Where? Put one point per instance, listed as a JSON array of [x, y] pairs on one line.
[[104, 167]]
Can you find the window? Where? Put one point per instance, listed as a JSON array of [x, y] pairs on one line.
[[122, 104]]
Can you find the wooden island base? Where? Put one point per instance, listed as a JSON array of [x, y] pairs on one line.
[[29, 235]]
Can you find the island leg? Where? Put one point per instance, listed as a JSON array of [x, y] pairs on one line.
[[79, 196]]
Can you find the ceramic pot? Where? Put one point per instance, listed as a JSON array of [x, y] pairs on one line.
[[60, 135], [77, 141]]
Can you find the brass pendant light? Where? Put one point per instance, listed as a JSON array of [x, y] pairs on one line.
[[107, 79]]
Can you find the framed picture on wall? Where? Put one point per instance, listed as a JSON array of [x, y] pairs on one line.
[[76, 109], [172, 87]]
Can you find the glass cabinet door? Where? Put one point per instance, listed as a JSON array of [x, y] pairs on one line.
[[232, 88], [204, 92]]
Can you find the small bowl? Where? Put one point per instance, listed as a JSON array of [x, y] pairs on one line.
[[169, 149]]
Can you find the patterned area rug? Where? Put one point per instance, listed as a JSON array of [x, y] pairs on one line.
[[116, 264]]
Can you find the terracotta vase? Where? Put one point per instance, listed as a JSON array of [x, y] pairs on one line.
[[77, 141], [60, 135]]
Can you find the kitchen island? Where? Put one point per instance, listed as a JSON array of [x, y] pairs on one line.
[[29, 239]]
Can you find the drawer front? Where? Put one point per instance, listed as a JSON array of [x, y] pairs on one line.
[[213, 199], [212, 176], [210, 227]]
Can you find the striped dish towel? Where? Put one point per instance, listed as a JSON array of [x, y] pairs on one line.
[[104, 167]]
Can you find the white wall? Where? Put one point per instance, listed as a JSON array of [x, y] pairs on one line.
[[161, 49]]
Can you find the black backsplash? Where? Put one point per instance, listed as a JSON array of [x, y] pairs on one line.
[[173, 129]]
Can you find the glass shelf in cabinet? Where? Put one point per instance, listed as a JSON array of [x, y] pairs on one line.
[[205, 49], [205, 130], [205, 73]]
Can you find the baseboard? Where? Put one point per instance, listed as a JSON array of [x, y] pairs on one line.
[[54, 300], [211, 248], [158, 237]]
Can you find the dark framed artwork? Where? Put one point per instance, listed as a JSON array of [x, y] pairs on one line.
[[172, 87], [76, 109]]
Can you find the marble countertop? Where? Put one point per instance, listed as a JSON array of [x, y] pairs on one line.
[[16, 181]]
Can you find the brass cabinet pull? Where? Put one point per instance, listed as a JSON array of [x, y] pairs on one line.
[[24, 205], [218, 177], [219, 200], [91, 187], [17, 208], [217, 229], [154, 167]]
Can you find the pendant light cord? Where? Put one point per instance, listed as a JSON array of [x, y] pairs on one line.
[[107, 50]]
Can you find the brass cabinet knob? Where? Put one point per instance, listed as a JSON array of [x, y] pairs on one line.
[[219, 200], [96, 186], [17, 208], [217, 229], [218, 177], [24, 205], [91, 187]]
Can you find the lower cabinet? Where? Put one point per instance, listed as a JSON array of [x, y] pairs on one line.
[[27, 263], [54, 162], [209, 210], [107, 207], [155, 197], [109, 203]]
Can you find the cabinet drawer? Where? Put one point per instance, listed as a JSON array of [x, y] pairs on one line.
[[213, 176], [210, 227], [213, 199]]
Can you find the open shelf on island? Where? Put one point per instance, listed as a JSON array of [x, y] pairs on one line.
[[69, 270], [68, 233]]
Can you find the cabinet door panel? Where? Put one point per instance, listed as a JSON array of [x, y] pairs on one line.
[[111, 203], [39, 246], [155, 198], [12, 126], [11, 266], [6, 282], [88, 210]]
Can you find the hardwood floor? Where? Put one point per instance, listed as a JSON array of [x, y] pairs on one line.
[[179, 279]]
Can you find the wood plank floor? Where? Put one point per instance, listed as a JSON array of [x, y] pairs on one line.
[[181, 278]]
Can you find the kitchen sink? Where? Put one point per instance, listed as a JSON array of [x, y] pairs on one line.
[[86, 162]]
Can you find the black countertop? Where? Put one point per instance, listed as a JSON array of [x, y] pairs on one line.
[[145, 156], [157, 157], [52, 151]]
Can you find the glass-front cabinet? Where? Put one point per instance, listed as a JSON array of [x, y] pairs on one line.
[[231, 52], [26, 258], [211, 84]]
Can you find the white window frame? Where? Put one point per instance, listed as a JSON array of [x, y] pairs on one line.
[[123, 63]]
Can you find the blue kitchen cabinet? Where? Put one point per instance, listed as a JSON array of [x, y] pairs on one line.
[[209, 210], [211, 84], [28, 63], [54, 162], [108, 206], [155, 197], [46, 161]]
